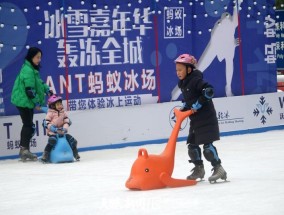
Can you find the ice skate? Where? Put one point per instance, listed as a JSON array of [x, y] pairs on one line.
[[198, 172], [45, 157], [76, 155], [219, 173], [25, 155]]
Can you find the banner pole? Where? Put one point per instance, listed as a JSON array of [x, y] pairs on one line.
[[65, 54]]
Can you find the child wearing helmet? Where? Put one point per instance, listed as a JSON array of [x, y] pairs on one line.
[[204, 128], [57, 122]]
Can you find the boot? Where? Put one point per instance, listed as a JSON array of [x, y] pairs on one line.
[[218, 173], [198, 172], [75, 154], [26, 154], [45, 156]]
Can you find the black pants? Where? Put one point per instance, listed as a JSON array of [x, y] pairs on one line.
[[27, 131]]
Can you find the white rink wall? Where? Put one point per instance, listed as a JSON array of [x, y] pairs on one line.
[[152, 123]]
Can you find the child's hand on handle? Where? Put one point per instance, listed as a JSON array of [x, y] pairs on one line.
[[62, 131], [196, 106], [53, 128], [184, 107]]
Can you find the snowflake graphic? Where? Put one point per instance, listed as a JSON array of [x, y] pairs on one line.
[[262, 109]]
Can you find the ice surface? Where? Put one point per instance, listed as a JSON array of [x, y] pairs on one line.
[[95, 185]]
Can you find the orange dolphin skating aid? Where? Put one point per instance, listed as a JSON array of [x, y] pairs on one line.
[[154, 171]]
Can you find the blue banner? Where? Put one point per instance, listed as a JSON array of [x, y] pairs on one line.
[[279, 30], [121, 53]]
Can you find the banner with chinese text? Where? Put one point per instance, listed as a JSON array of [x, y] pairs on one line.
[[107, 54]]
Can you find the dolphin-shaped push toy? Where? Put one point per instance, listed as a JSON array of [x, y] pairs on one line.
[[154, 171]]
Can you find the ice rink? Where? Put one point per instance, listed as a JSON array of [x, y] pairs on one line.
[[96, 184]]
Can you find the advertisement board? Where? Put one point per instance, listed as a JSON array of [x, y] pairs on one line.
[[109, 54]]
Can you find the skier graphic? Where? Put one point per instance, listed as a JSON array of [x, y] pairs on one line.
[[221, 45]]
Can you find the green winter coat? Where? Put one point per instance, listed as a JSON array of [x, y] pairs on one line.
[[28, 77]]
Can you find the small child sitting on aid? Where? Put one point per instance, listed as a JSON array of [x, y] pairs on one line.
[[57, 122]]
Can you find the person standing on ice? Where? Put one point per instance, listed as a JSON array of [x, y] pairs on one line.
[[28, 94], [57, 122], [204, 128]]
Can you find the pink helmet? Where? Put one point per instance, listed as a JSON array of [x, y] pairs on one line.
[[53, 99], [186, 59]]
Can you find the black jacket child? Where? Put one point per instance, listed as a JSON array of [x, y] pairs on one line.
[[204, 126]]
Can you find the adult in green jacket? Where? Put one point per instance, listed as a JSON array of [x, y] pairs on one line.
[[29, 93]]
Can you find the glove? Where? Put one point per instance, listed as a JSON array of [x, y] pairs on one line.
[[53, 128], [47, 90], [61, 131], [64, 130], [31, 93], [184, 107], [196, 106], [44, 123], [50, 93]]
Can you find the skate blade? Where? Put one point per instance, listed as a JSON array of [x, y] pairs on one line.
[[218, 182], [42, 161], [27, 160], [48, 162]]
